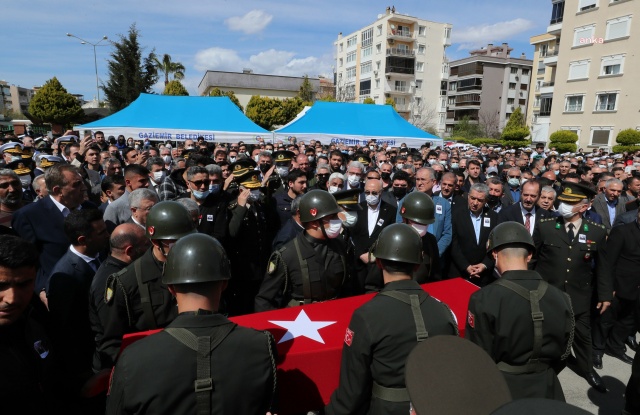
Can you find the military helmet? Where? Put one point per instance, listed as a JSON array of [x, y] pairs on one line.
[[399, 242], [196, 258], [316, 205], [418, 207], [169, 220], [509, 233]]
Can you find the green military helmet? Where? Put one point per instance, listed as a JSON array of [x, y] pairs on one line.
[[399, 242], [196, 258], [316, 205], [169, 220], [418, 207], [509, 233]]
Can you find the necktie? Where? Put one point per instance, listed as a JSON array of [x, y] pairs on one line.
[[95, 264], [527, 223], [571, 233]]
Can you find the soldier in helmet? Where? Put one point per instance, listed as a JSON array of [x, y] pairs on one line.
[[200, 347], [311, 267], [418, 212], [136, 297], [383, 331], [531, 341]]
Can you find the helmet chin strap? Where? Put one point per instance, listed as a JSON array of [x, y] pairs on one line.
[[324, 231]]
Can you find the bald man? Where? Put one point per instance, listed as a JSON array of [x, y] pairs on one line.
[[128, 242]]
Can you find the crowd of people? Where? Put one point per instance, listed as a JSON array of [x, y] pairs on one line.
[[90, 226]]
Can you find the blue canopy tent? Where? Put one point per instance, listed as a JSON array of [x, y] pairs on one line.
[[355, 124], [176, 118]]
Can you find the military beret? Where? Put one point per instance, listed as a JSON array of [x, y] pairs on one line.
[[241, 166], [348, 199], [283, 157], [12, 147], [575, 192], [249, 179]]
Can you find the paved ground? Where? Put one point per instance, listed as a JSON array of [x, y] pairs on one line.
[[578, 392]]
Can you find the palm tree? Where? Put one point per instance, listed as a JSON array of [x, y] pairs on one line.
[[167, 67]]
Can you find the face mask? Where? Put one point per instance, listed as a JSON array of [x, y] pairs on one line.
[[264, 167], [167, 159], [372, 147], [543, 169], [333, 189], [514, 182], [454, 165], [385, 176], [350, 219], [443, 162], [282, 171], [399, 192], [159, 176], [432, 161], [15, 158], [492, 200], [200, 195], [256, 158], [566, 210], [137, 147], [25, 180], [334, 228], [350, 153], [189, 148], [255, 195], [372, 200], [354, 180], [399, 166], [422, 229], [310, 158], [556, 172], [232, 159], [214, 189], [609, 164], [522, 181]]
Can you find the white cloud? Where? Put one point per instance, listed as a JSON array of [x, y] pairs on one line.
[[270, 62], [477, 36], [253, 22]]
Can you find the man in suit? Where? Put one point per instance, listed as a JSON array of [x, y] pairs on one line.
[[112, 187], [626, 217], [471, 229], [608, 204], [136, 176], [526, 211], [447, 191], [140, 202], [512, 189], [68, 291], [42, 222], [570, 242], [376, 214]]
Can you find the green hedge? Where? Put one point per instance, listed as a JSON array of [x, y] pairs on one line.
[[564, 147], [628, 149], [562, 136], [628, 137]]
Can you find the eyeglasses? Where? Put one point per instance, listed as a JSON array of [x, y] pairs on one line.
[[199, 183], [514, 177], [367, 192], [373, 178]]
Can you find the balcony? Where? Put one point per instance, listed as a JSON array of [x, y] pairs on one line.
[[547, 88], [545, 113], [401, 71], [365, 92], [402, 108], [550, 58], [401, 52], [398, 90], [401, 35]]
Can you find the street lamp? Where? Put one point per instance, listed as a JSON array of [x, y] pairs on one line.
[[95, 60]]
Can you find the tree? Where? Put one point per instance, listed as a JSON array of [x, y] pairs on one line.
[[167, 67], [628, 140], [466, 129], [424, 116], [53, 104], [175, 88], [564, 141], [515, 130], [265, 111], [390, 101], [489, 123], [369, 100], [217, 92], [306, 90], [129, 74], [290, 109]]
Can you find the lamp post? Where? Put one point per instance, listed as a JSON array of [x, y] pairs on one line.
[[95, 60]]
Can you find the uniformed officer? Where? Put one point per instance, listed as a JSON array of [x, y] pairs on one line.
[[193, 366], [566, 248], [311, 267], [531, 341], [349, 202], [383, 331], [136, 297]]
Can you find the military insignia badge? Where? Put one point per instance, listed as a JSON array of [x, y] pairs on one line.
[[471, 319], [348, 337], [151, 230], [109, 294], [313, 211], [402, 210], [272, 267]]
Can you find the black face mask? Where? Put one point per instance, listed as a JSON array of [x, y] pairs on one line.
[[264, 167], [438, 175], [492, 200], [323, 178], [399, 192], [385, 176]]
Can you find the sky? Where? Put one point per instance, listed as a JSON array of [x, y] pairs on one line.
[[292, 37]]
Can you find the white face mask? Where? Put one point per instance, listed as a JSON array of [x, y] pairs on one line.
[[25, 180], [372, 200], [255, 195], [566, 210], [350, 218], [159, 176], [556, 172], [282, 171], [15, 158], [454, 165], [422, 229], [334, 228], [354, 180], [333, 189]]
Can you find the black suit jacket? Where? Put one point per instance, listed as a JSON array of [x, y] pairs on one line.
[[513, 213], [360, 232], [41, 223], [466, 251], [624, 256]]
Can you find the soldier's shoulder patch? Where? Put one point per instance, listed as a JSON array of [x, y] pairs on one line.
[[471, 319], [273, 262], [348, 337], [547, 219]]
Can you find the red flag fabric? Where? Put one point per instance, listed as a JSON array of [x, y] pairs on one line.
[[310, 340]]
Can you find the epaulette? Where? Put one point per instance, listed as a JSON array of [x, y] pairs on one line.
[[113, 281], [273, 261], [594, 223], [548, 219]]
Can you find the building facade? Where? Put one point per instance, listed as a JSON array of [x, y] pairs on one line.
[[14, 99], [487, 87], [397, 57], [246, 84], [593, 83]]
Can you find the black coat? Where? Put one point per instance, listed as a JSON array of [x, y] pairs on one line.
[[513, 213], [624, 256], [360, 231]]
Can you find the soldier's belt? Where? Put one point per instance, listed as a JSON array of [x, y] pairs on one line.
[[390, 394], [536, 367]]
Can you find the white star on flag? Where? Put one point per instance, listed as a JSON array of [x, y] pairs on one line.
[[302, 326]]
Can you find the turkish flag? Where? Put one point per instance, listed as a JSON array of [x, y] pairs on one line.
[[310, 340]]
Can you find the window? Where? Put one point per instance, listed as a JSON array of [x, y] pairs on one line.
[[365, 68], [511, 101], [341, 46], [366, 52], [351, 42], [420, 66], [422, 30], [377, 83], [600, 136], [418, 83], [378, 48], [617, 28], [441, 119], [514, 71], [557, 12], [447, 32], [401, 86], [351, 57], [378, 65], [451, 101], [341, 62], [367, 37], [418, 101], [586, 5], [525, 72], [421, 49], [379, 30], [582, 35], [512, 85], [579, 69], [611, 65], [606, 101], [536, 102], [573, 103], [452, 86], [351, 72], [365, 87], [545, 106], [400, 101]]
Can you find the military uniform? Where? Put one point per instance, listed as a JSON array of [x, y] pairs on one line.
[[380, 336], [304, 270], [567, 265], [126, 312], [157, 374], [283, 206], [509, 338]]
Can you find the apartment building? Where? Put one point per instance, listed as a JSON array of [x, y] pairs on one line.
[[399, 57], [590, 85], [487, 87], [14, 98]]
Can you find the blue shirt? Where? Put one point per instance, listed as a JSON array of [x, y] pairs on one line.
[[515, 194], [475, 220], [611, 206]]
